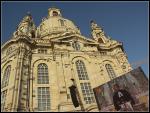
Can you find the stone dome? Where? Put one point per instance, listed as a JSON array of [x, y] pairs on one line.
[[55, 23]]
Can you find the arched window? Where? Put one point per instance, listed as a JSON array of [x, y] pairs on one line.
[[55, 13], [76, 46], [100, 40], [110, 71], [82, 73], [5, 79], [87, 92], [43, 74]]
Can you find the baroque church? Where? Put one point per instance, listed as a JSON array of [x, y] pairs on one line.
[[40, 64]]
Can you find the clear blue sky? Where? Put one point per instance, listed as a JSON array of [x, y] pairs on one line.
[[123, 21]]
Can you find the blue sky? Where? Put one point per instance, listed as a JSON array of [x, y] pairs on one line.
[[123, 21]]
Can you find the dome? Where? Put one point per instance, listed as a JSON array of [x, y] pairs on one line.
[[55, 24]]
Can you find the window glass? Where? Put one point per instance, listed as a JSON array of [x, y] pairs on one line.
[[43, 99], [110, 71], [43, 77]]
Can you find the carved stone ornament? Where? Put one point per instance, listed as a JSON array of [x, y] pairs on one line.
[[94, 26], [26, 27]]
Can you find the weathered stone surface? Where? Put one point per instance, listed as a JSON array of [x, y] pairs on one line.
[[60, 58]]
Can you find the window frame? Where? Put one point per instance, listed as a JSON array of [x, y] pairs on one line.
[[110, 71], [6, 76], [87, 92], [43, 97], [55, 13], [86, 89], [42, 74], [81, 70], [43, 51]]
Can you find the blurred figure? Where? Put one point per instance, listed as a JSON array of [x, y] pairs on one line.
[[122, 99]]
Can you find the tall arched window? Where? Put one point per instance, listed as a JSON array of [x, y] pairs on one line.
[[82, 73], [5, 79], [87, 92], [43, 74], [110, 71], [43, 93]]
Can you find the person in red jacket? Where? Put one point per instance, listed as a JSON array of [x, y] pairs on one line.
[[122, 99]]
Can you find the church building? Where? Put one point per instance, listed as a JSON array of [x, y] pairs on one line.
[[40, 65]]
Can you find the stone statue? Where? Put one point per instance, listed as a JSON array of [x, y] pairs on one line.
[[94, 26], [97, 31], [26, 26]]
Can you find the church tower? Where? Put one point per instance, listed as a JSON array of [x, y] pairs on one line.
[[98, 33], [41, 66]]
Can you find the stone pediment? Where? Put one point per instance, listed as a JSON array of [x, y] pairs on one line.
[[74, 37]]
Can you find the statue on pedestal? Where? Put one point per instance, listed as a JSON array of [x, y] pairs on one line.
[[26, 27]]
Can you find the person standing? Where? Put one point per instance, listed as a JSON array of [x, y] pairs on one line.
[[122, 99]]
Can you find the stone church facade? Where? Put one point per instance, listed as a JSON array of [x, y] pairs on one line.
[[38, 63]]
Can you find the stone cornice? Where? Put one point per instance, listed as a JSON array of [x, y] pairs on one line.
[[16, 40], [110, 47]]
